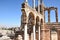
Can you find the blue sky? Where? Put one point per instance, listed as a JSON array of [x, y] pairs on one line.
[[10, 11]]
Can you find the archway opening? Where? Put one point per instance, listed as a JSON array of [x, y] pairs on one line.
[[41, 21], [31, 21], [37, 26], [37, 23], [31, 18]]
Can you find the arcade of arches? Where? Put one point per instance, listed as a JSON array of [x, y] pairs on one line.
[[33, 25]]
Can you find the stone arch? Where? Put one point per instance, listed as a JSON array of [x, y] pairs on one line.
[[37, 22], [31, 18], [41, 21], [31, 22], [32, 14], [37, 18], [37, 26]]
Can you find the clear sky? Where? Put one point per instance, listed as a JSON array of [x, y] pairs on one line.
[[10, 11]]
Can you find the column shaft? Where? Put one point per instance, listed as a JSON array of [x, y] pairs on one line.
[[48, 16], [44, 16], [39, 32], [34, 4], [25, 32], [39, 6], [26, 0], [34, 32], [31, 36], [41, 1], [56, 15]]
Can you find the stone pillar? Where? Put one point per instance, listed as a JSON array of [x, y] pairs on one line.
[[39, 6], [44, 16], [39, 31], [26, 0], [34, 4], [48, 16], [56, 15], [31, 36], [27, 36], [25, 31], [41, 1], [34, 32]]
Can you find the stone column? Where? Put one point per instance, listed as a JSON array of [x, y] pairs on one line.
[[39, 31], [48, 16], [26, 0], [39, 6], [31, 36], [41, 1], [44, 16], [34, 32], [56, 15], [34, 4], [25, 31]]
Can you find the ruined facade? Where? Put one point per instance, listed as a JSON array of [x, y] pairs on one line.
[[33, 25]]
